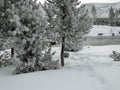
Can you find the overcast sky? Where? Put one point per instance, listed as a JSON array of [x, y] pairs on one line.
[[91, 1]]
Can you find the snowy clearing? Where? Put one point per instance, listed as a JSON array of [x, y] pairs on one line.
[[107, 36], [89, 69], [106, 30]]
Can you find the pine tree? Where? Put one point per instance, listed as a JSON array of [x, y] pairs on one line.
[[111, 15], [4, 17], [29, 31], [5, 25], [51, 14], [93, 11], [81, 22], [70, 22], [116, 14]]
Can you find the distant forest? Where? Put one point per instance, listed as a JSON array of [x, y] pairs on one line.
[[106, 21]]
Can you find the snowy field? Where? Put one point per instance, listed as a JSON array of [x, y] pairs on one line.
[[106, 30], [93, 39], [89, 69]]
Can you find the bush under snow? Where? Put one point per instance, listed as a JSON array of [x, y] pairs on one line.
[[46, 63], [115, 55], [5, 59]]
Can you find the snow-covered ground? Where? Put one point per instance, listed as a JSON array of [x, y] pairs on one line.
[[106, 30], [89, 69]]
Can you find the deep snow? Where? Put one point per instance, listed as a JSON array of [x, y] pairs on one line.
[[89, 69]]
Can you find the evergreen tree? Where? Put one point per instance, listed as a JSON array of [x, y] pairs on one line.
[[93, 11], [70, 22], [29, 31], [116, 14], [4, 17], [111, 15], [5, 25], [51, 14]]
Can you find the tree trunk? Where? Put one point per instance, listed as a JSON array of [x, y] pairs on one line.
[[12, 52], [62, 51]]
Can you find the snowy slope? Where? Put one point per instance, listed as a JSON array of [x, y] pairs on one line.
[[103, 8], [89, 69]]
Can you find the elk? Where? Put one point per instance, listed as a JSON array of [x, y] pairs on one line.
[[100, 35], [113, 34]]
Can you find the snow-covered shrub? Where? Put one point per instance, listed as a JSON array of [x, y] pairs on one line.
[[5, 59], [73, 48], [46, 63], [115, 55], [66, 55]]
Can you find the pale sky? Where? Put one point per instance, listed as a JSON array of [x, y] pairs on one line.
[[91, 1]]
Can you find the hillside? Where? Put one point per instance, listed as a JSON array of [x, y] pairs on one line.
[[103, 8]]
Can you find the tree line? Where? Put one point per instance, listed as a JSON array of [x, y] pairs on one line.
[[113, 18]]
